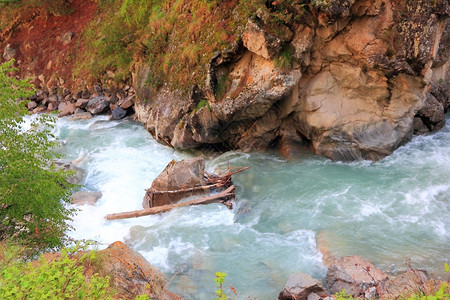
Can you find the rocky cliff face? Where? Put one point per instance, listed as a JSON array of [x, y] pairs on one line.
[[351, 78]]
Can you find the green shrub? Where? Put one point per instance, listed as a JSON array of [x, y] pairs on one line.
[[62, 277], [286, 58], [32, 190]]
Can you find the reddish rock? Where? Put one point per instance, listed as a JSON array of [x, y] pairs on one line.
[[126, 102], [354, 274], [31, 105], [81, 103], [403, 285], [68, 109], [130, 273], [52, 106], [299, 286], [80, 116]]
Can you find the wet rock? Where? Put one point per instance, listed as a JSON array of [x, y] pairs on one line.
[[68, 109], [97, 105], [432, 113], [177, 175], [80, 116], [66, 165], [299, 286], [130, 273], [354, 274], [83, 197], [118, 113]]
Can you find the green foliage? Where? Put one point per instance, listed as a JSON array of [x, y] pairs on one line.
[[222, 85], [176, 38], [62, 277], [443, 293], [203, 103], [32, 190], [55, 7], [219, 280], [286, 58], [343, 296]]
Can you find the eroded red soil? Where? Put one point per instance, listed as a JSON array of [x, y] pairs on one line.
[[39, 43]]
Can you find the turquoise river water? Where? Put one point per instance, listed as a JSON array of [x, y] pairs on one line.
[[389, 211]]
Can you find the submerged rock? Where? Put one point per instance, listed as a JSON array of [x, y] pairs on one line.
[[76, 178], [83, 197]]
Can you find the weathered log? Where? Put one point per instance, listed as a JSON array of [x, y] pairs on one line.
[[217, 198]]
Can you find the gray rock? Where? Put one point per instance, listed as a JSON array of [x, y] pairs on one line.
[[76, 178], [83, 197], [354, 274], [9, 52], [80, 116], [67, 37], [118, 113], [97, 105], [299, 286], [68, 109], [432, 113]]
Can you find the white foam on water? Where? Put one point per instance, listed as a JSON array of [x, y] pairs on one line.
[[397, 207]]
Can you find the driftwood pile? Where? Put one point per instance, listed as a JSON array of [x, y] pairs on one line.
[[218, 187]]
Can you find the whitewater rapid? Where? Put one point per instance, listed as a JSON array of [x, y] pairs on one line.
[[389, 211]]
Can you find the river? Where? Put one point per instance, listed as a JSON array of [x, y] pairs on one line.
[[389, 211]]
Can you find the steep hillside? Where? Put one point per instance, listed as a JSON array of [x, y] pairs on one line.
[[349, 79]]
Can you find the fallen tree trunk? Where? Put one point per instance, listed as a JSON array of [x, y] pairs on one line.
[[221, 197]]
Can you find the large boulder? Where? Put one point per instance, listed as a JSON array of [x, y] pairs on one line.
[[299, 286], [97, 105], [130, 273], [179, 175], [354, 274], [432, 113]]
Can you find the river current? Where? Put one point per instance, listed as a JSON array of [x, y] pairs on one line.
[[389, 211]]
